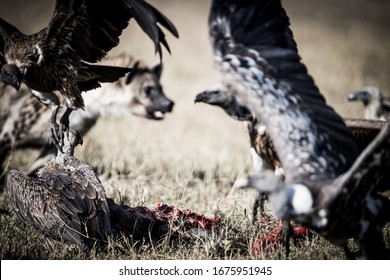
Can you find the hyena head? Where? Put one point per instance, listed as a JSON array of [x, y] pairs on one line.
[[139, 93], [148, 98]]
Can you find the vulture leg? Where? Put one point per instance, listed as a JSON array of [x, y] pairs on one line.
[[373, 245], [57, 131], [258, 205], [64, 121], [287, 233], [287, 230], [51, 100], [372, 242], [56, 137]]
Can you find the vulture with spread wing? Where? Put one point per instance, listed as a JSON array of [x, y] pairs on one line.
[[257, 58], [58, 57], [262, 150]]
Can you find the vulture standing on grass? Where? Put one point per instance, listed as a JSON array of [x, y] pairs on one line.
[[376, 106], [66, 200], [262, 149], [58, 57], [257, 57]]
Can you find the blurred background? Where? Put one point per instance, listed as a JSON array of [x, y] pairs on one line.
[[345, 44]]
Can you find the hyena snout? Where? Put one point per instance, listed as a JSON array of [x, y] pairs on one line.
[[168, 105]]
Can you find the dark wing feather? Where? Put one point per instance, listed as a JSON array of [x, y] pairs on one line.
[[35, 202], [81, 196], [147, 17], [165, 22], [256, 24], [90, 76], [266, 73], [92, 27]]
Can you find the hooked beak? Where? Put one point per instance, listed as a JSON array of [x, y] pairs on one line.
[[359, 95], [16, 84], [11, 75], [201, 97]]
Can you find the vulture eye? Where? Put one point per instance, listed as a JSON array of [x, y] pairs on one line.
[[32, 57]]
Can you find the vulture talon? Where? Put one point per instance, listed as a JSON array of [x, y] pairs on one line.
[[56, 136], [258, 206], [64, 121]]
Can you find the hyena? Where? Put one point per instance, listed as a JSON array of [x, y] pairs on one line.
[[24, 120]]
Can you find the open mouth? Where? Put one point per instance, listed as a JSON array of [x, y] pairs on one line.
[[156, 115]]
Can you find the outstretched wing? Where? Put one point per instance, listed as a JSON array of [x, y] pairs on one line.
[[92, 27], [356, 193], [257, 57], [371, 169]]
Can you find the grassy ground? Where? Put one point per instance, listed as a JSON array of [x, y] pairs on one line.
[[192, 158]]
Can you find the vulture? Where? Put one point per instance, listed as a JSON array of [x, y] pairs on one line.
[[59, 56], [376, 106], [66, 200], [262, 149], [326, 186]]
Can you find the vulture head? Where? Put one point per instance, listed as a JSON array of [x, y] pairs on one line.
[[11, 75], [217, 95], [366, 95], [222, 97]]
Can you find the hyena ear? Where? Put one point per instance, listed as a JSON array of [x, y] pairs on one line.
[[133, 73], [157, 70]]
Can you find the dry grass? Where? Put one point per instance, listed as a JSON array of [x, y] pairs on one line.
[[192, 158]]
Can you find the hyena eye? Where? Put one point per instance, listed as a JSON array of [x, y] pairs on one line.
[[148, 90]]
